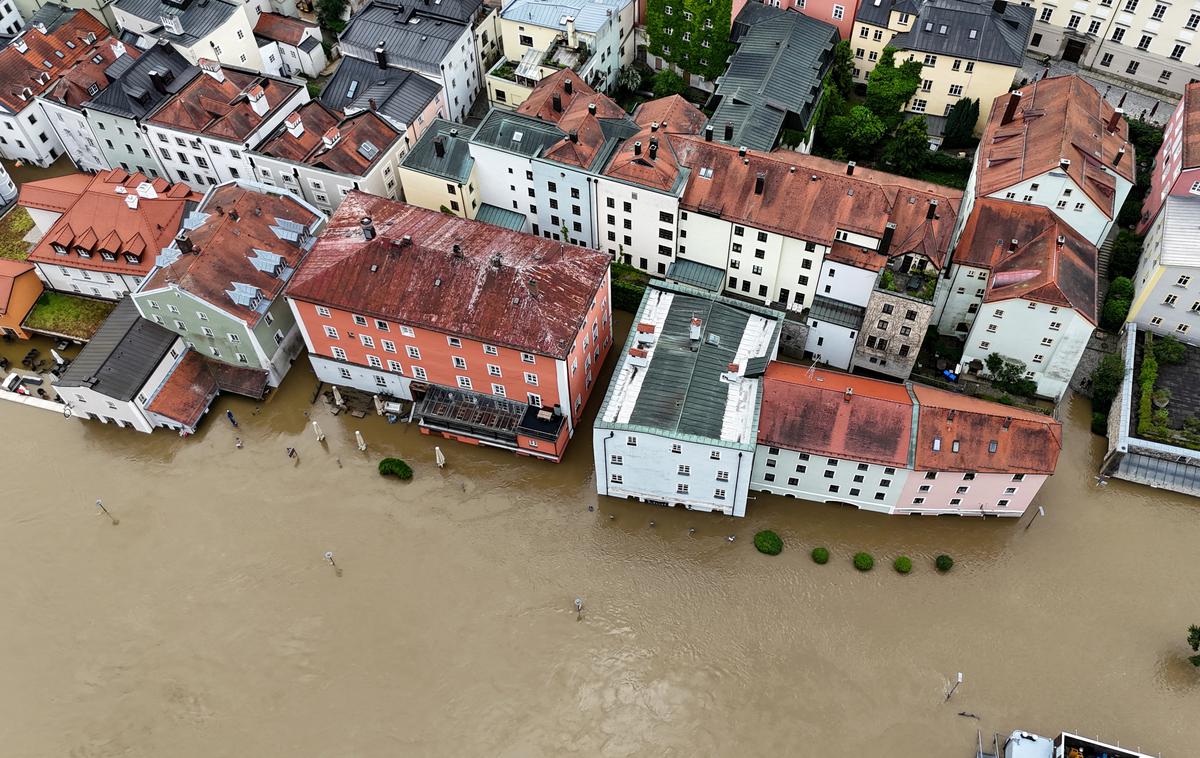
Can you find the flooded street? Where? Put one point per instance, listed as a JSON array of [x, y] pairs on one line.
[[208, 624]]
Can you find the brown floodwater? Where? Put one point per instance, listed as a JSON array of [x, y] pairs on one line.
[[207, 623]]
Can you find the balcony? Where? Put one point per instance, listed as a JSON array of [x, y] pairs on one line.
[[487, 417]]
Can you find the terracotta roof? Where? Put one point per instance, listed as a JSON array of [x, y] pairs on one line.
[[1191, 125], [187, 391], [285, 29], [9, 272], [228, 247], [810, 198], [1039, 268], [673, 114], [74, 86], [835, 414], [579, 116], [98, 217], [39, 67], [222, 109], [633, 162], [503, 287], [358, 140], [1025, 442], [540, 103], [855, 255], [1056, 119], [240, 380]]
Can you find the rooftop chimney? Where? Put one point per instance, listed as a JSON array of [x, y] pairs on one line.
[[1060, 241], [742, 151], [653, 149], [118, 48], [572, 35], [131, 201], [696, 328], [234, 215], [331, 137], [573, 135], [708, 133], [637, 147], [456, 250], [1012, 245], [728, 131], [931, 212], [592, 108], [439, 147], [849, 393], [556, 102], [258, 100], [760, 182], [568, 86], [1120, 154], [885, 242], [183, 242], [295, 125], [372, 105], [1064, 163], [368, 228], [850, 168], [1010, 110], [158, 80], [212, 68], [381, 55], [654, 127], [999, 6], [1115, 120]]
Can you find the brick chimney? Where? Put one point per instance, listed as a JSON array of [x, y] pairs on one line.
[[331, 137], [258, 100], [1010, 110], [212, 68]]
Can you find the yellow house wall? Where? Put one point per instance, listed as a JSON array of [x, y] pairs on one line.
[[428, 191]]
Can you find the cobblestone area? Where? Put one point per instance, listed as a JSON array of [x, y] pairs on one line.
[[1101, 344], [1138, 103]]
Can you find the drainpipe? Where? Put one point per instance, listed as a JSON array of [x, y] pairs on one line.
[[604, 452]]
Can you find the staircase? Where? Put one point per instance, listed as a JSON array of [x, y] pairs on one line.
[[1105, 253]]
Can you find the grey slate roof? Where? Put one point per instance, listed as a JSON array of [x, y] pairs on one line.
[[877, 12], [308, 44], [455, 164], [198, 18], [133, 94], [774, 77], [414, 35], [50, 15], [517, 133], [497, 216], [697, 274], [970, 29], [589, 15], [399, 95], [121, 356]]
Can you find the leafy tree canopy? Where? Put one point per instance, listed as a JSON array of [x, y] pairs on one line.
[[908, 149]]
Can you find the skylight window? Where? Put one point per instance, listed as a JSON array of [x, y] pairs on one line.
[[706, 172], [517, 136]]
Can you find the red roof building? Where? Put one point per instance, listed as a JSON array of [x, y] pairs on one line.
[[498, 335], [102, 233], [1177, 166]]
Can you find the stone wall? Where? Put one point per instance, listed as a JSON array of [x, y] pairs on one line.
[[792, 339], [900, 332]]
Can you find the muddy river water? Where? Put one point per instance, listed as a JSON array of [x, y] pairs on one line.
[[207, 623]]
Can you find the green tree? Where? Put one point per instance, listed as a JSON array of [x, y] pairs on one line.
[[906, 152], [1168, 350], [667, 83], [329, 15], [1116, 304], [890, 86], [1009, 375], [960, 122], [1194, 643], [841, 73], [856, 133], [629, 78], [1106, 381], [1126, 252]]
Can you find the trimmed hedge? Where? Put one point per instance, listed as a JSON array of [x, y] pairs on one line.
[[768, 542], [903, 564], [820, 555], [943, 563], [864, 561], [395, 467]]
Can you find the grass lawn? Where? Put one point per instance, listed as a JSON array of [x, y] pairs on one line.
[[77, 317], [13, 227]]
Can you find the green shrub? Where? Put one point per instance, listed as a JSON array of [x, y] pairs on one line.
[[1168, 350], [1106, 381], [395, 467], [863, 561], [1100, 423], [820, 555], [768, 542], [1127, 248], [1121, 287], [943, 563], [1116, 304], [903, 564]]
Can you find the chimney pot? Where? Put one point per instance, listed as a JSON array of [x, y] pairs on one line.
[[728, 132], [381, 55], [760, 182], [1012, 245], [439, 147], [931, 213], [742, 151], [568, 86], [850, 168], [708, 133], [653, 149], [592, 108], [368, 228], [1120, 154], [654, 127], [637, 147]]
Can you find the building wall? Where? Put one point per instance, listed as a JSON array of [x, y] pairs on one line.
[[792, 473], [27, 136], [650, 470], [276, 337], [548, 220], [503, 182], [461, 77], [189, 317], [436, 192], [1059, 192], [965, 291], [831, 344], [897, 322], [68, 277], [73, 131], [26, 290], [839, 13], [326, 189], [98, 8], [1166, 298], [650, 215], [1019, 329], [123, 144], [588, 352], [956, 492], [835, 343], [1166, 177], [124, 413]]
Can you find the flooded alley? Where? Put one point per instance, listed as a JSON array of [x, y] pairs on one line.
[[208, 623]]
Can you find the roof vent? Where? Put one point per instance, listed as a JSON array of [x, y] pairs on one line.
[[131, 201], [849, 393], [368, 227], [714, 340]]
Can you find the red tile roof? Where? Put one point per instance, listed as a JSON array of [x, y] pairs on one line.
[[240, 380], [97, 216], [222, 109], [240, 222], [633, 162], [74, 87], [1191, 126], [1059, 118], [1039, 268], [540, 103], [285, 29], [9, 271], [187, 392], [810, 198], [579, 116], [39, 67], [673, 114], [835, 414], [346, 155], [503, 287], [1025, 442]]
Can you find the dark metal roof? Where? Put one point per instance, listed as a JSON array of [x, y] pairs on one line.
[[133, 94], [456, 161], [971, 29], [497, 216], [414, 35], [308, 44], [517, 133], [836, 312], [197, 18], [877, 12], [774, 77], [121, 356], [697, 274], [52, 16], [399, 95]]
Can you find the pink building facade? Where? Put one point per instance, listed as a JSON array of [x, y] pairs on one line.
[[839, 13], [967, 493], [1177, 166]]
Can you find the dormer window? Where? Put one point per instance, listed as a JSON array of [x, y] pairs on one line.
[[60, 249], [83, 252], [93, 89], [133, 259], [171, 24], [107, 255]]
